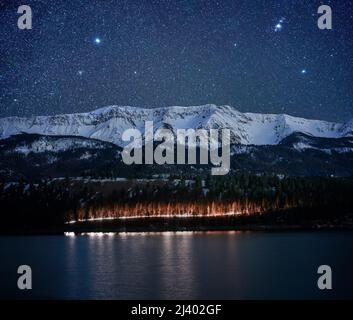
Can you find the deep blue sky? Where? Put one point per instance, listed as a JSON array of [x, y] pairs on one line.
[[158, 53]]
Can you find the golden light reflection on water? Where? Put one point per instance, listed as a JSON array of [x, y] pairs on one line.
[[151, 233], [163, 262]]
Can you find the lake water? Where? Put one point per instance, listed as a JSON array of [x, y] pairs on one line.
[[210, 265]]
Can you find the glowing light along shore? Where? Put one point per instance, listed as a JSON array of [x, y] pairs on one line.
[[169, 210], [166, 216]]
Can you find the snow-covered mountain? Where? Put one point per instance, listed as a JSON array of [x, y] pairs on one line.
[[108, 124]]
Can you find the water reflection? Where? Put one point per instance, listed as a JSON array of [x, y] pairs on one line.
[[179, 265], [177, 274]]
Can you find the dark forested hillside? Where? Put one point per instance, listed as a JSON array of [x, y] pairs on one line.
[[32, 156], [51, 204]]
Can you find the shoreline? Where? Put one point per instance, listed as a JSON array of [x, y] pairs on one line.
[[155, 225]]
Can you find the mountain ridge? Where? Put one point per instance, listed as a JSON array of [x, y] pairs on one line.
[[108, 123]]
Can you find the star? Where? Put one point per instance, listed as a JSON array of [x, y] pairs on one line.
[[80, 72], [97, 40], [303, 71], [278, 27]]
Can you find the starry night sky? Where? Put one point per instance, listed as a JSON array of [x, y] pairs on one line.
[[256, 55]]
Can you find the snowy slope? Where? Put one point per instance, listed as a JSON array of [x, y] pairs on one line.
[[108, 124], [60, 144]]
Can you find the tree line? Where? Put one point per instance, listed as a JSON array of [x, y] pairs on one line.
[[51, 203]]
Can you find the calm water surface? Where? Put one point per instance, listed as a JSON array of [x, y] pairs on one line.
[[211, 265]]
